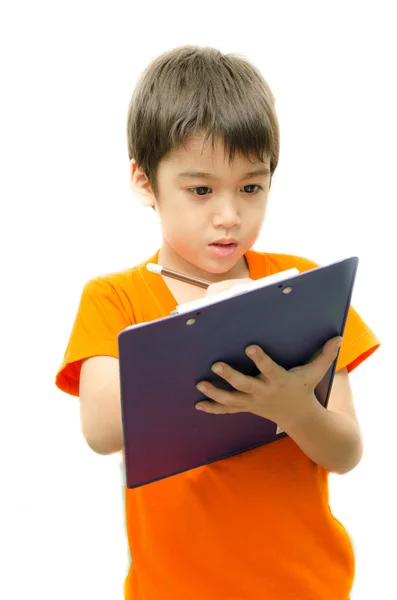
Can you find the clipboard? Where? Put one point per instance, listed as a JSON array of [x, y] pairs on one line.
[[162, 361]]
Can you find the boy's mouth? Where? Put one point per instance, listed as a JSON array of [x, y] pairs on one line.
[[223, 247]]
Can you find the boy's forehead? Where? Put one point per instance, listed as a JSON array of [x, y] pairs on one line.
[[202, 155]]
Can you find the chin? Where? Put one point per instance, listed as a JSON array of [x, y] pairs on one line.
[[220, 266], [208, 263]]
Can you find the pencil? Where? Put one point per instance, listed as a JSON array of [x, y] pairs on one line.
[[153, 268]]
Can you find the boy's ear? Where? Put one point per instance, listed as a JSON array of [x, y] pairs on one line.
[[140, 184]]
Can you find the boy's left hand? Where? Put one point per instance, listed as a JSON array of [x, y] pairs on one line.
[[276, 393]]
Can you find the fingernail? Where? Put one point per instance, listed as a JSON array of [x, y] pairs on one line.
[[202, 387], [251, 351], [217, 368], [340, 342], [199, 407]]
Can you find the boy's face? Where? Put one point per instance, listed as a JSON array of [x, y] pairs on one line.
[[211, 212]]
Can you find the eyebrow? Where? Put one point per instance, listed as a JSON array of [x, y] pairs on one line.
[[203, 175]]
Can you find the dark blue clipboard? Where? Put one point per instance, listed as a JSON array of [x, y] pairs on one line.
[[162, 361]]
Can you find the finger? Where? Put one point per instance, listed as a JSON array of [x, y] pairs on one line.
[[221, 396], [269, 369], [215, 408], [239, 381], [319, 366], [226, 284]]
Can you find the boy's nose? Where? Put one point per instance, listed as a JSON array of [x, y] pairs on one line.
[[227, 215]]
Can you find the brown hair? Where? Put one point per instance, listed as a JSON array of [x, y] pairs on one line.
[[198, 88]]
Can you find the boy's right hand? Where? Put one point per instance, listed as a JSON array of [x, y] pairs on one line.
[[223, 286]]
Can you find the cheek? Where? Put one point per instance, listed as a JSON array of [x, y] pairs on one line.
[[181, 223], [255, 215]]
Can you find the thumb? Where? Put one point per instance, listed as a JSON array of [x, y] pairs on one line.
[[320, 365]]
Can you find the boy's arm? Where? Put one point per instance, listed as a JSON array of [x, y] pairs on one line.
[[331, 437], [100, 406]]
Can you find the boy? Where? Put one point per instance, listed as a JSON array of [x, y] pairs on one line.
[[203, 143]]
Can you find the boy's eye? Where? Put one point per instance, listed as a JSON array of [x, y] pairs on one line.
[[203, 190], [200, 191], [248, 188]]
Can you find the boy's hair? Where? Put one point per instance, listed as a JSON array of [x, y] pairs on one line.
[[192, 89]]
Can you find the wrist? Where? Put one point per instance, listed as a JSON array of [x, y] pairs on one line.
[[303, 411]]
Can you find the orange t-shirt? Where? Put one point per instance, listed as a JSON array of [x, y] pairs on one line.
[[256, 526]]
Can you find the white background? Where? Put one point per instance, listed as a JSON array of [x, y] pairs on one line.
[[67, 214]]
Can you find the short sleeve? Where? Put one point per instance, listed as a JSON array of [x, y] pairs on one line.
[[101, 316], [359, 342]]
